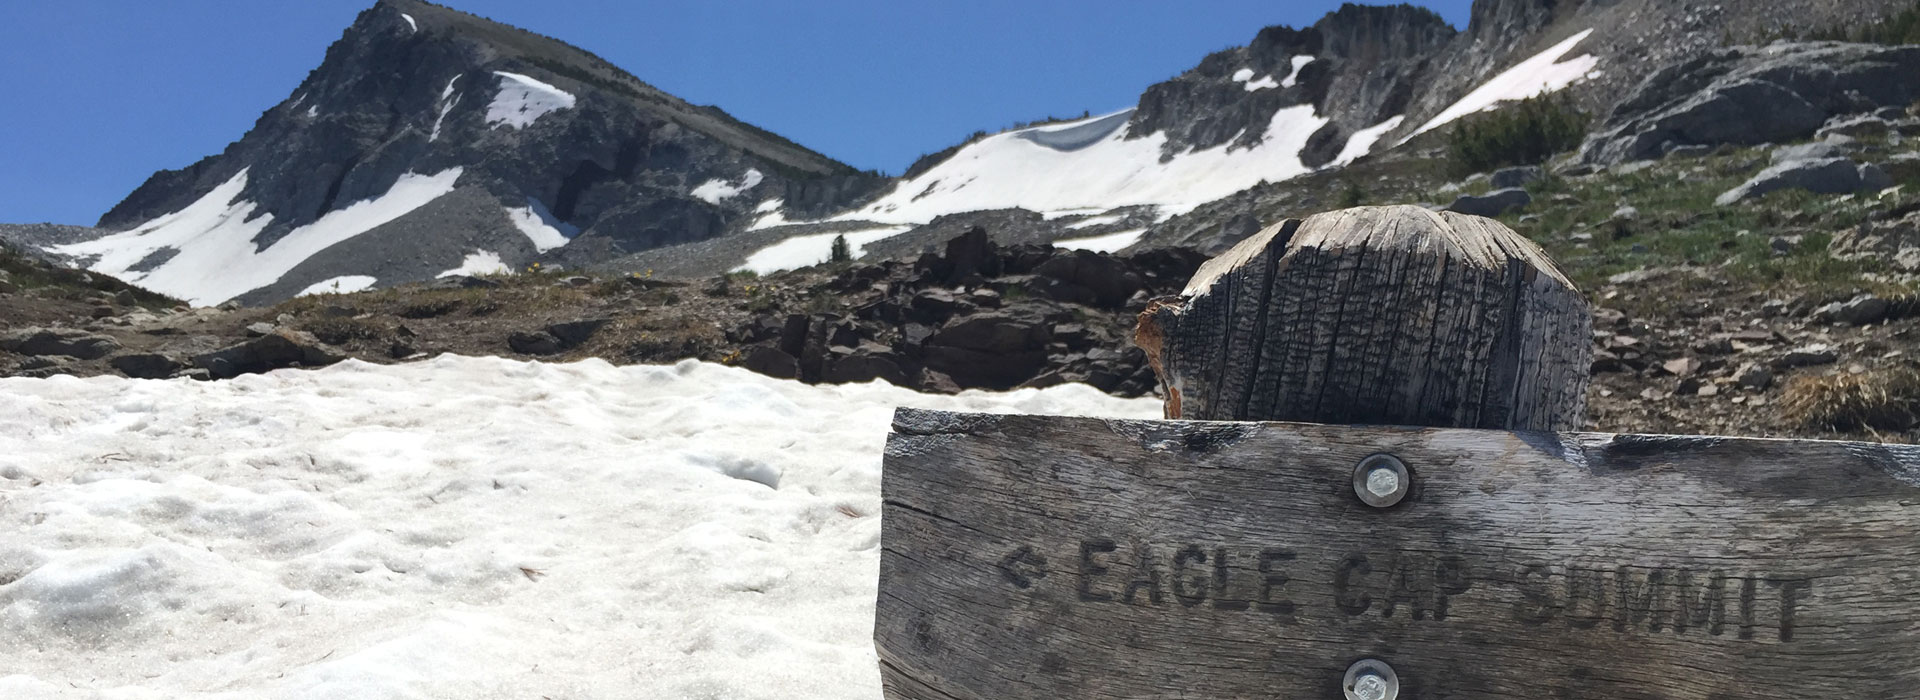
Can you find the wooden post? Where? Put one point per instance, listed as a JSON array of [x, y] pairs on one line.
[[1028, 558], [1378, 315]]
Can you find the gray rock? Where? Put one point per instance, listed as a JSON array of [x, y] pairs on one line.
[[1491, 204], [533, 343], [1826, 176], [1873, 179], [1689, 151], [282, 348], [1897, 242], [1815, 150], [1809, 355], [572, 334], [146, 365], [59, 341], [1859, 311], [1855, 126], [256, 330], [1517, 176], [1754, 375], [1753, 94], [1890, 114], [771, 361]]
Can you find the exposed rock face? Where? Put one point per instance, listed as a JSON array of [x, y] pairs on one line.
[[543, 136], [1897, 242], [1750, 95], [1822, 176], [1357, 66]]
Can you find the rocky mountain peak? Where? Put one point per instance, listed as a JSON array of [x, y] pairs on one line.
[[430, 140]]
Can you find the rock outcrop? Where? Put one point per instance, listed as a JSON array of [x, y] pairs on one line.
[[1749, 95]]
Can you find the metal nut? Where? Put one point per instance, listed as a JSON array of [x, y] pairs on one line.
[[1381, 480], [1370, 679]]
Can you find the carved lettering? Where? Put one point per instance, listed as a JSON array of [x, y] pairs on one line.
[[1089, 568], [1273, 578], [1536, 606], [1348, 583], [1190, 592], [1145, 576]]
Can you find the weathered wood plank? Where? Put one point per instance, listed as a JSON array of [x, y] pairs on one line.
[[1035, 557], [1383, 315]]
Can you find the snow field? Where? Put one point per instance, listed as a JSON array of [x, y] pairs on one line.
[[1030, 169], [1538, 75], [1103, 244], [1362, 141], [812, 249], [522, 100], [214, 254], [717, 191], [541, 226], [479, 262], [459, 527], [343, 284]]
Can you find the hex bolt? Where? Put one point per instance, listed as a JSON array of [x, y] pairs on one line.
[[1381, 480], [1370, 679]]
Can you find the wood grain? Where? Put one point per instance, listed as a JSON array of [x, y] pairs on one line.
[[1380, 315], [1035, 557]]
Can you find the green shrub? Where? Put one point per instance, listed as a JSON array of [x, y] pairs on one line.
[[1527, 132], [841, 252]]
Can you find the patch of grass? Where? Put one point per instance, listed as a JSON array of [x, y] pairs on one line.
[[342, 330], [1527, 132], [1884, 400]]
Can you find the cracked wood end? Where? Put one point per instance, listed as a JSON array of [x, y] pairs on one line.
[[1377, 315]]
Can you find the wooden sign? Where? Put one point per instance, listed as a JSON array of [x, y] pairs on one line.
[[1038, 557]]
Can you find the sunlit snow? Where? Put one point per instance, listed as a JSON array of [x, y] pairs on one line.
[[1090, 164], [546, 231], [1102, 244], [479, 262], [218, 258], [522, 100], [813, 249], [1362, 141], [454, 528], [717, 191], [1539, 75], [343, 284], [447, 101], [1292, 78], [415, 26], [1092, 221]]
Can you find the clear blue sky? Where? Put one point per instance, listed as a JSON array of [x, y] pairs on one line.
[[99, 94]]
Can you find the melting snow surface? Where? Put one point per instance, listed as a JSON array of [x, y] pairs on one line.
[[812, 249], [769, 215], [546, 232], [458, 527], [1539, 75], [1265, 81], [1299, 62], [217, 257], [1362, 141], [1090, 164], [717, 191], [410, 23], [479, 262], [343, 284], [522, 100], [1103, 244], [1092, 221]]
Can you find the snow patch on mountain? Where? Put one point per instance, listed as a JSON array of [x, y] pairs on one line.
[[344, 284], [213, 253], [546, 231], [1090, 164], [479, 262], [1541, 74], [456, 527], [1362, 141], [716, 191], [447, 101], [812, 249], [522, 100], [1103, 244], [415, 26], [1292, 78]]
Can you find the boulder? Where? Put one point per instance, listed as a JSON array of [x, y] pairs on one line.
[[1855, 126], [1897, 242], [69, 342], [1517, 176], [771, 361], [866, 363], [1824, 176], [573, 334], [1816, 150], [1859, 311], [1491, 204], [1751, 95], [145, 365], [282, 348], [1089, 278], [995, 332], [533, 342]]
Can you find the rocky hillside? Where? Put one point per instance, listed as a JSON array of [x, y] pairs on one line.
[[432, 140]]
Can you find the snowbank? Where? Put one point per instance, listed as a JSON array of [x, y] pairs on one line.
[[812, 249], [717, 191], [344, 284], [211, 242], [479, 262], [522, 100], [459, 527], [1539, 75], [1103, 244], [540, 225], [1090, 164]]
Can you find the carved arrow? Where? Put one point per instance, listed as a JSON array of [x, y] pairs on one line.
[[1023, 567]]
